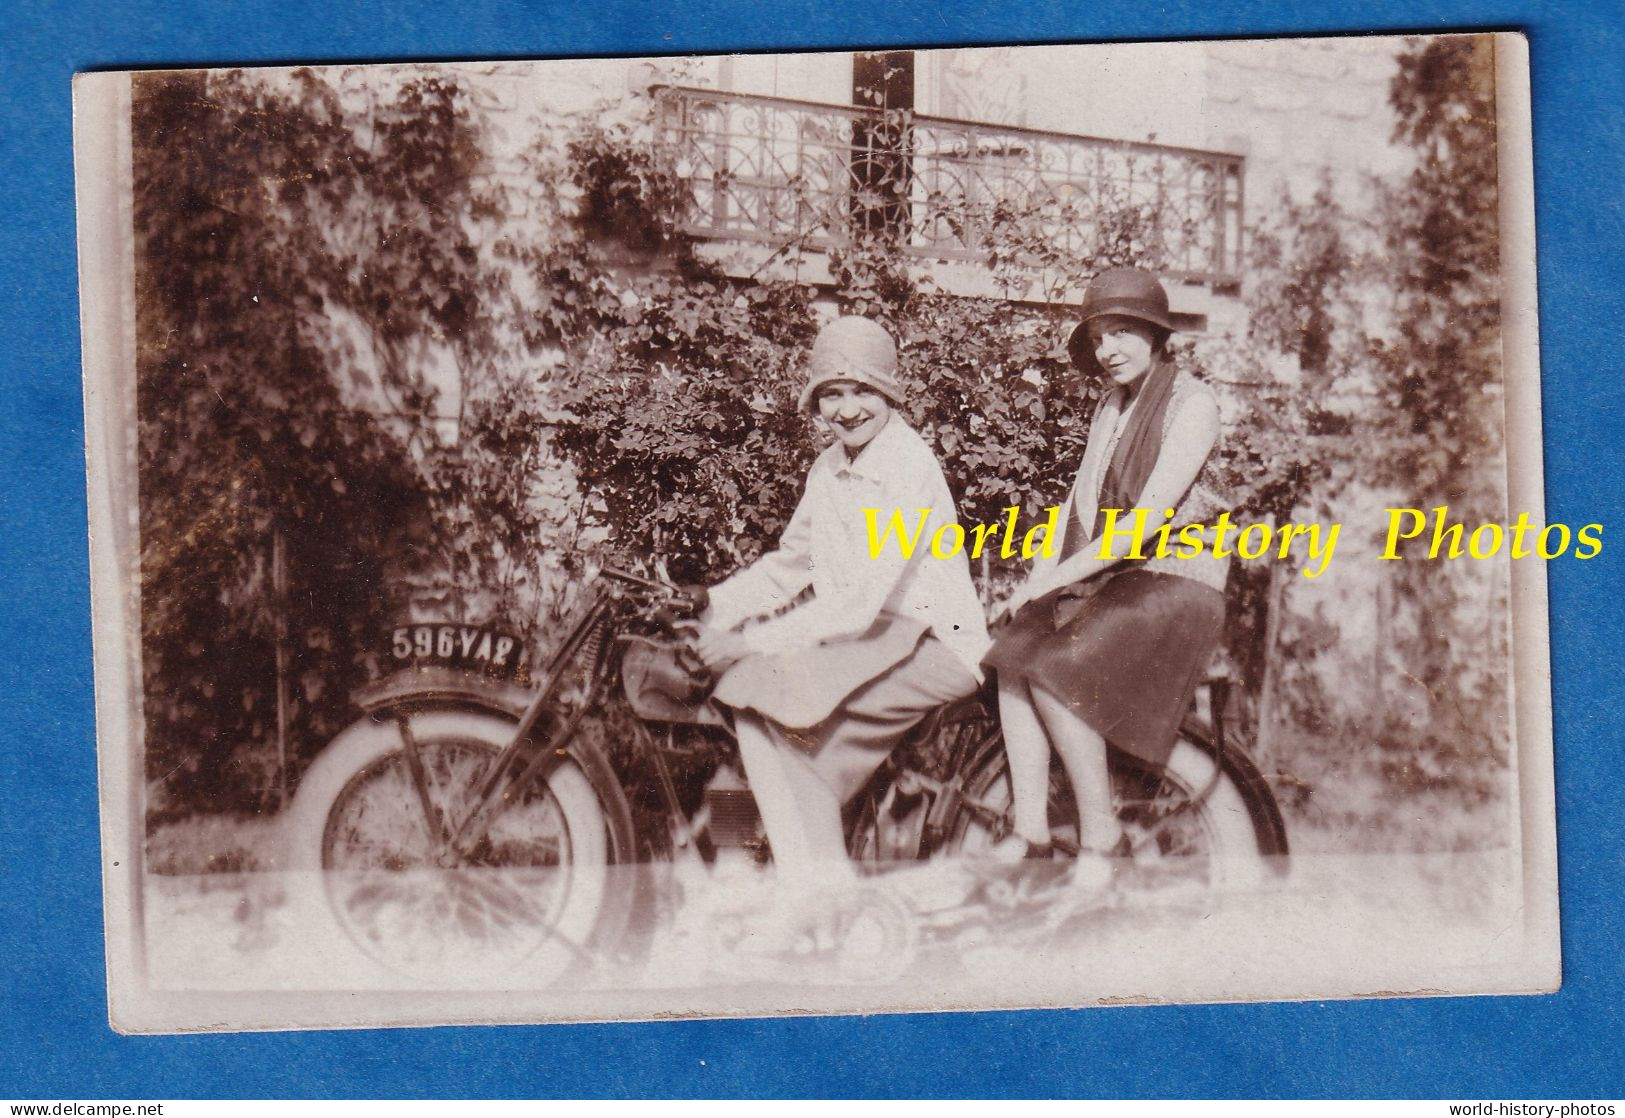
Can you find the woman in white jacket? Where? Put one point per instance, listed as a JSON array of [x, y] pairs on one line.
[[822, 687]]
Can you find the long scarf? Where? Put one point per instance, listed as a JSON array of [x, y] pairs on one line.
[[1134, 457], [1138, 447]]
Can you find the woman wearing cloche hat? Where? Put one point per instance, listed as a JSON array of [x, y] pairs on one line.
[[822, 691], [1101, 652]]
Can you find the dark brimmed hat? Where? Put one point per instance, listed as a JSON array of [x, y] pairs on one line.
[[855, 349], [1130, 292]]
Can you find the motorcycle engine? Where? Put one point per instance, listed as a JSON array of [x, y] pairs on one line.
[[730, 809]]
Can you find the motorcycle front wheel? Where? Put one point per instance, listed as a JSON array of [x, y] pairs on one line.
[[535, 901]]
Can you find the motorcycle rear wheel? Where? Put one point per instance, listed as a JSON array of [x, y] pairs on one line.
[[1182, 827], [533, 902]]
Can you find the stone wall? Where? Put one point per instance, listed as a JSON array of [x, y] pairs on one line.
[[1300, 109]]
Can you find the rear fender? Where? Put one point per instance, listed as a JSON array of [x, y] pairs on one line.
[[1255, 789]]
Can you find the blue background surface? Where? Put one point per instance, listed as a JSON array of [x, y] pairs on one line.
[[54, 1039]]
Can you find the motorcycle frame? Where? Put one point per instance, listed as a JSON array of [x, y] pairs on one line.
[[527, 759]]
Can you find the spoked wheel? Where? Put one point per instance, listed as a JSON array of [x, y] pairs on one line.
[[526, 904], [1182, 826]]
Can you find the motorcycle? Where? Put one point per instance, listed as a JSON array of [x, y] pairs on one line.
[[469, 830]]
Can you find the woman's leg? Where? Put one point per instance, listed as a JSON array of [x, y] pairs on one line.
[[1083, 752], [1027, 746], [800, 812]]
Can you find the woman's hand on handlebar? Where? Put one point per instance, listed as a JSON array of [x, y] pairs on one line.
[[719, 649], [692, 599], [684, 611]]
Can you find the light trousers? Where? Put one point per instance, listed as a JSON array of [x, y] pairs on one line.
[[801, 778]]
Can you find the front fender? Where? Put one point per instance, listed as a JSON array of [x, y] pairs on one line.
[[430, 686]]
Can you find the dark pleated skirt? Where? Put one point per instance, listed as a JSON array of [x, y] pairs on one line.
[[1125, 651]]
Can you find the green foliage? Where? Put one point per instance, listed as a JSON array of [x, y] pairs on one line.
[[628, 193], [294, 262], [679, 421], [1442, 373], [1390, 322]]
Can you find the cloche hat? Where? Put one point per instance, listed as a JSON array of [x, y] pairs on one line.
[[856, 349], [1130, 292]]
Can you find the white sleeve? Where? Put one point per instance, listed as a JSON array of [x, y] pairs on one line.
[[847, 607], [774, 580]]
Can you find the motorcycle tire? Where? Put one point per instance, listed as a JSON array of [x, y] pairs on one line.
[[1181, 827], [540, 899]]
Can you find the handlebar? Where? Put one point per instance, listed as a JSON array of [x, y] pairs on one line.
[[676, 597], [637, 580]]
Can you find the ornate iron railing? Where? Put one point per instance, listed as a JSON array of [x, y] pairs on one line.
[[798, 173]]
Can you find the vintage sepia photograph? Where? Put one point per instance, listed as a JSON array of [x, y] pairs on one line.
[[866, 531]]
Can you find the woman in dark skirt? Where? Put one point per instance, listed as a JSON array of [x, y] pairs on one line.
[[1099, 650]]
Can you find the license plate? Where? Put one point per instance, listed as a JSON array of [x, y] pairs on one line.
[[471, 647]]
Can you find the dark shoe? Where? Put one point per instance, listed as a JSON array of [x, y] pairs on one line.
[[1014, 870]]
